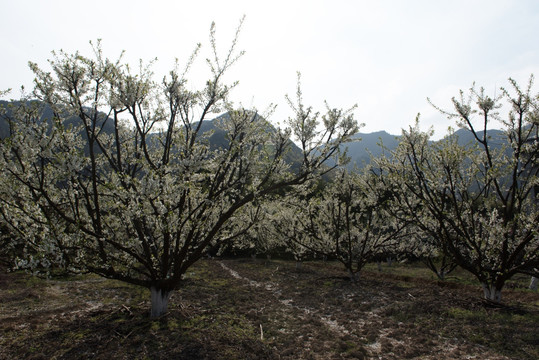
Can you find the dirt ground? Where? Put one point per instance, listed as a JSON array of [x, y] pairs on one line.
[[244, 309]]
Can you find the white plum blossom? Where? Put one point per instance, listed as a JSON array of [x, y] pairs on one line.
[[121, 180]]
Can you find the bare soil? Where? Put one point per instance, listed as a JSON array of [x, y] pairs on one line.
[[244, 309]]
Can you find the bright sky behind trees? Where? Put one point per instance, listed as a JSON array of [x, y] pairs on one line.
[[387, 56]]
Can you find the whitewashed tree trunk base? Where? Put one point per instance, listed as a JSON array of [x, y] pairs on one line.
[[491, 293], [159, 302], [533, 283]]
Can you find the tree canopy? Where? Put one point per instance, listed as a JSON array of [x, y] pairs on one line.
[[143, 202], [478, 201]]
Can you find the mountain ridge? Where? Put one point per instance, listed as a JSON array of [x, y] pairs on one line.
[[360, 149]]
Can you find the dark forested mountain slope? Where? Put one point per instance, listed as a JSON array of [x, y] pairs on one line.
[[378, 143], [360, 151]]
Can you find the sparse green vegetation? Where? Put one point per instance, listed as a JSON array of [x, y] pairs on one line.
[[273, 311]]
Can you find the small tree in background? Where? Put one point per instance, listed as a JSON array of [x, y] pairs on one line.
[[348, 221], [260, 238], [429, 250], [286, 224], [122, 182]]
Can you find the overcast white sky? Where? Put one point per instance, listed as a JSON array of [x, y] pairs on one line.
[[386, 56]]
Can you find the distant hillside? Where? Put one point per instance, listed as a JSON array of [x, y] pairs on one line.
[[217, 139], [369, 145], [360, 151], [46, 115], [366, 145], [496, 137]]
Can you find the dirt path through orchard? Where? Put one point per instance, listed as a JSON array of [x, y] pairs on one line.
[[367, 324]]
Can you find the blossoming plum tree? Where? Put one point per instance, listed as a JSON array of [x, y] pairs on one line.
[[347, 221], [479, 201], [122, 181], [285, 223]]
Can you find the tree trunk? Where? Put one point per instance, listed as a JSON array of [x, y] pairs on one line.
[[533, 283], [441, 274], [492, 293], [354, 276], [159, 301], [299, 265]]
